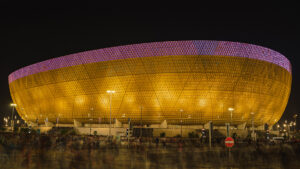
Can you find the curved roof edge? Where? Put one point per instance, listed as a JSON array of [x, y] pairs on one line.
[[192, 47]]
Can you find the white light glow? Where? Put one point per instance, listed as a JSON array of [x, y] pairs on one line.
[[230, 109], [110, 91], [13, 104]]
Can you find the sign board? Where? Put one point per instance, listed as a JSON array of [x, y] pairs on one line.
[[229, 142]]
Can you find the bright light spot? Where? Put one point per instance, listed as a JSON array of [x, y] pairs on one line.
[[79, 100], [130, 99], [110, 91], [202, 102], [13, 104], [230, 109]]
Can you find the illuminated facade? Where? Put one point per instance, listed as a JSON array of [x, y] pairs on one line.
[[192, 81]]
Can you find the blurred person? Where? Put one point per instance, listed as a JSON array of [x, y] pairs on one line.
[[156, 141]]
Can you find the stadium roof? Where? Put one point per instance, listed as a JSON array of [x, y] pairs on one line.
[[168, 48]]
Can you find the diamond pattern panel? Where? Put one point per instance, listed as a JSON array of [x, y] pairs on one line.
[[204, 87]]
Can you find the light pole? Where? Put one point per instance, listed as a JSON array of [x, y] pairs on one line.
[[252, 113], [181, 122], [295, 117], [141, 135], [57, 120], [13, 105], [289, 130], [110, 92], [90, 119], [5, 119], [228, 126], [284, 125], [231, 110]]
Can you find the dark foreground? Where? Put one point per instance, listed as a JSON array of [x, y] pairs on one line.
[[35, 153]]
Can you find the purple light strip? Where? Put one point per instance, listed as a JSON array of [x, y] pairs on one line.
[[196, 47]]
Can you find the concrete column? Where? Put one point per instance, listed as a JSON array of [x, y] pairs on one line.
[[48, 124], [118, 123], [206, 125], [242, 126], [164, 124], [32, 124], [262, 127], [270, 127], [77, 123]]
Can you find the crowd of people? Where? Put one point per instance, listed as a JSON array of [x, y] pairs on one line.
[[78, 151], [68, 141]]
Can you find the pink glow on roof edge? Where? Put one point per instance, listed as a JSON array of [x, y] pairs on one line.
[[168, 48]]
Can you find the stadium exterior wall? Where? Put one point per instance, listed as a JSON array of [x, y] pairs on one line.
[[182, 82]]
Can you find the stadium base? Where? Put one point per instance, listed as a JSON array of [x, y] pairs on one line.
[[153, 130]]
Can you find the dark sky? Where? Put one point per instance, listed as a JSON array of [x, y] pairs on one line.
[[31, 34]]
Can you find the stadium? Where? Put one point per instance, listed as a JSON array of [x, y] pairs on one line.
[[157, 85]]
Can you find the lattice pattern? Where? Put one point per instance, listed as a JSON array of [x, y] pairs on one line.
[[203, 86], [170, 48]]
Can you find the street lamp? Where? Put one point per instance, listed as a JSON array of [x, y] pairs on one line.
[[110, 92], [5, 119], [228, 124], [295, 117], [231, 110], [252, 113], [90, 119], [13, 105], [181, 122]]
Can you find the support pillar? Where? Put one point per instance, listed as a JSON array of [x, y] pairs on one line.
[[262, 127], [270, 127], [77, 123], [242, 126], [164, 124], [207, 125], [227, 126], [48, 124], [118, 123], [32, 124]]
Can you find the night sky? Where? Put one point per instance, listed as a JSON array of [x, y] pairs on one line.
[[30, 34]]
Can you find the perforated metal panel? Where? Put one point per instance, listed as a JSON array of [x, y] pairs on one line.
[[203, 86]]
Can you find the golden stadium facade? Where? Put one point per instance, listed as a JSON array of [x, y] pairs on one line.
[[193, 81]]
